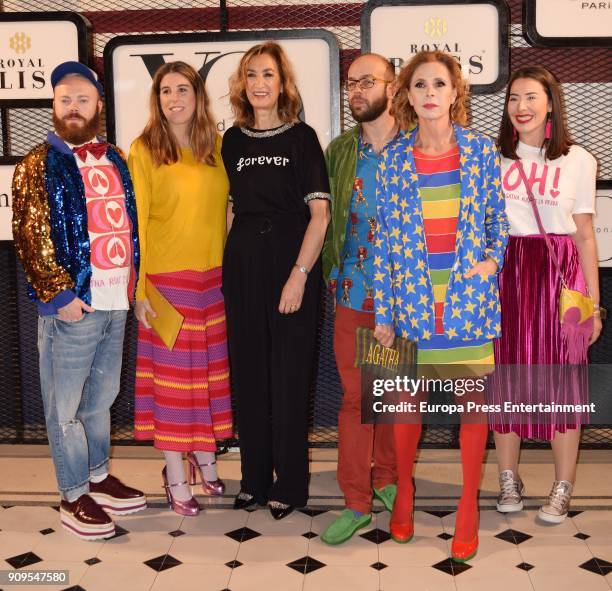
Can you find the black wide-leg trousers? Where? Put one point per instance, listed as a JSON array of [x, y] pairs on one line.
[[271, 354]]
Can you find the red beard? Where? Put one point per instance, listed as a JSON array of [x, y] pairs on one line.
[[76, 135]]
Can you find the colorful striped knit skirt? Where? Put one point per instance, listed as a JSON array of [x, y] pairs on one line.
[[183, 396], [532, 357]]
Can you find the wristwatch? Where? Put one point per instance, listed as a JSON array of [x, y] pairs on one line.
[[301, 268]]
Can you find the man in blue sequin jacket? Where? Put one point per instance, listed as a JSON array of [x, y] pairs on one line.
[[76, 235]]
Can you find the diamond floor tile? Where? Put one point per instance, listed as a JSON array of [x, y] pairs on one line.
[[525, 566], [161, 563], [92, 561], [244, 534], [305, 565], [22, 560], [450, 567], [598, 566], [378, 566], [513, 536], [377, 536]]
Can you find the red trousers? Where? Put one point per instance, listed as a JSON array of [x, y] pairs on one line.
[[358, 444]]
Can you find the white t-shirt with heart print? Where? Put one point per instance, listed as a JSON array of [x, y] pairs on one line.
[[109, 233], [561, 188]]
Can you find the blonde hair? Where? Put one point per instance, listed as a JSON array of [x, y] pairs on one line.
[[289, 101], [157, 135], [401, 108]]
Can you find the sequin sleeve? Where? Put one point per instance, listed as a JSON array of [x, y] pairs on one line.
[[32, 229]]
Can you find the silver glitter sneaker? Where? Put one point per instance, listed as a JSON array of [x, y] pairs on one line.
[[555, 511], [511, 491]]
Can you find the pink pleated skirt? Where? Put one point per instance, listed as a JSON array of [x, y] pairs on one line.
[[532, 356]]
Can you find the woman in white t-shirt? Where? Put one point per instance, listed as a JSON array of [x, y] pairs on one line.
[[537, 361]]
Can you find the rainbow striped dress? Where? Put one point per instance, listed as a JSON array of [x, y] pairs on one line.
[[440, 189]]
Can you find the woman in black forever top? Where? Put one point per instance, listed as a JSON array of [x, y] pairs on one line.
[[271, 276]]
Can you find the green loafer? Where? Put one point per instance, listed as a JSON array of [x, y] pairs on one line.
[[344, 526], [386, 495]]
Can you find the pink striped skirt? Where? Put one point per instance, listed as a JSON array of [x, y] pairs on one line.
[[182, 399]]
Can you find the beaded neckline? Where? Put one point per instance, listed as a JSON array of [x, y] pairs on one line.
[[266, 132]]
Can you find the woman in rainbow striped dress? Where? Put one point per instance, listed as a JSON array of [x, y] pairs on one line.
[[441, 241]]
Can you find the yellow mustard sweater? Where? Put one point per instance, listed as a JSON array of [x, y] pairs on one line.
[[181, 212]]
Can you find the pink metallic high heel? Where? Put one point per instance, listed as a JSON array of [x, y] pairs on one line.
[[189, 508], [211, 488]]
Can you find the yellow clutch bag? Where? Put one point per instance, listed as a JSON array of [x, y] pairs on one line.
[[575, 307], [168, 322]]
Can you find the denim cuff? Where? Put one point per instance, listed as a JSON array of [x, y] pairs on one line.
[[100, 470], [72, 494]]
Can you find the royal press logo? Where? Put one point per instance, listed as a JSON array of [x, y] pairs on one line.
[[20, 42], [23, 70], [435, 27]]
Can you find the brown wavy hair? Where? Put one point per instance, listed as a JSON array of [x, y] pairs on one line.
[[560, 141], [157, 135], [289, 101], [401, 108]]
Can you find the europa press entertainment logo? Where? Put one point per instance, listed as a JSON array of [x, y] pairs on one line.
[[20, 43]]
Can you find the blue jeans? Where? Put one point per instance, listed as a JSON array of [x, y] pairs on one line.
[[80, 368]]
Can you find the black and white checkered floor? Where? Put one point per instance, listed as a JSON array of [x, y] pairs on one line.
[[223, 549]]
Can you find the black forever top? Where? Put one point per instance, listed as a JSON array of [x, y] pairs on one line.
[[274, 170]]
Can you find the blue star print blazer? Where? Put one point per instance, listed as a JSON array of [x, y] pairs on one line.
[[403, 289]]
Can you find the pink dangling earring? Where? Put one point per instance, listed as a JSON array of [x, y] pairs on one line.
[[514, 134], [548, 128]]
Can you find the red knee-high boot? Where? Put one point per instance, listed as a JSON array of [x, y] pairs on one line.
[[472, 439], [402, 519]]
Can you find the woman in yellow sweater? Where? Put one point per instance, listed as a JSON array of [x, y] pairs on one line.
[[182, 395]]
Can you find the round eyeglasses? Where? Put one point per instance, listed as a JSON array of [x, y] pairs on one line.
[[364, 83]]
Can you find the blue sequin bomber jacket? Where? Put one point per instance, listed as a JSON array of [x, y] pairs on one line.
[[403, 291], [50, 224]]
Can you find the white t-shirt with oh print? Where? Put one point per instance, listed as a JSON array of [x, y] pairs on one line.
[[561, 188]]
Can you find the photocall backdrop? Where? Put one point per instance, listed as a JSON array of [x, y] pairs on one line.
[[343, 32]]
